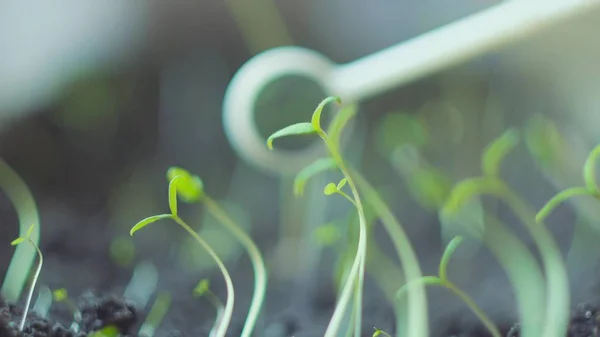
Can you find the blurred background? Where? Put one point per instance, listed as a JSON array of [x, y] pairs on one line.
[[99, 98]]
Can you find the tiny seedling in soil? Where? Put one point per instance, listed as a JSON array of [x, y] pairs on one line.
[[62, 296]]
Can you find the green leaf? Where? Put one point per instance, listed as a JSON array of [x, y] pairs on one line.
[[339, 122], [17, 241], [330, 189], [467, 189], [315, 121], [560, 198], [60, 295], [173, 194], [544, 141], [341, 184], [589, 170], [30, 230], [318, 166], [190, 188], [148, 221], [497, 150], [201, 288], [292, 130], [450, 249], [108, 331]]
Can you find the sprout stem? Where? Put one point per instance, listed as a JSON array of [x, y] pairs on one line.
[[35, 278]]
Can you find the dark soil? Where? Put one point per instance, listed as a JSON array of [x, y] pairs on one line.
[[97, 311]]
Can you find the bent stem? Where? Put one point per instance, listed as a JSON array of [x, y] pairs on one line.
[[260, 272], [417, 300], [228, 283], [20, 196], [35, 278]]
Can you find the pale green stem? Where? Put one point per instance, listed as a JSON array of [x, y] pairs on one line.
[[218, 304], [260, 272], [417, 300], [228, 283], [557, 305], [357, 273], [32, 288], [487, 322], [19, 194]]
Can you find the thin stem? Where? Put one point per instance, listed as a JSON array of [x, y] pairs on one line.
[[357, 273], [218, 304], [417, 300], [345, 195], [557, 315], [32, 288], [487, 322], [260, 272], [20, 196], [229, 284]]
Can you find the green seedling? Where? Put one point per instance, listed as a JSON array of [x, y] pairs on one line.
[[107, 331], [557, 290], [202, 289], [591, 187], [62, 296], [190, 189], [17, 242], [22, 261], [331, 138], [379, 332], [156, 315], [443, 281]]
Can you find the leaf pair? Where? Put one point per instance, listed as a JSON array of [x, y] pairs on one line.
[[591, 187], [27, 236]]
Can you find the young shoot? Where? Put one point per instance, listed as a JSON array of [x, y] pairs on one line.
[[22, 261], [197, 194], [379, 332], [331, 138], [62, 296], [202, 289], [17, 242], [591, 187], [442, 280], [490, 183], [190, 188]]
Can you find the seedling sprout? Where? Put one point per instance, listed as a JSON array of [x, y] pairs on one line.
[[62, 296], [202, 289], [379, 332], [191, 189], [16, 242], [331, 140]]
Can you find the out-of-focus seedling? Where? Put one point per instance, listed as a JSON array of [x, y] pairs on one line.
[[22, 261], [62, 296], [156, 315], [16, 242], [190, 189], [331, 138], [379, 332], [43, 302], [591, 187], [122, 251], [490, 183], [202, 289], [442, 280], [107, 331]]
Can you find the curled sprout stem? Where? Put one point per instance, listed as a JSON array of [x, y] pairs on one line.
[[442, 280], [38, 270]]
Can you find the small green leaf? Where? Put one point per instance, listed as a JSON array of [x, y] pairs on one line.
[[544, 141], [330, 189], [497, 150], [450, 249], [108, 331], [315, 121], [318, 166], [190, 188], [292, 130], [201, 288], [30, 230], [17, 241], [148, 221], [341, 184], [60, 295], [173, 194], [467, 189], [339, 122], [560, 198], [589, 170]]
